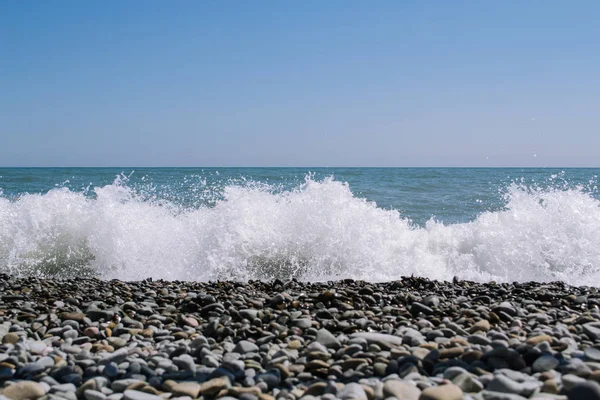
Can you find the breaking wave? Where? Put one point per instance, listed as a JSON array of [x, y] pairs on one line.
[[317, 231]]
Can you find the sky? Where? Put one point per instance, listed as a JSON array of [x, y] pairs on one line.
[[299, 83]]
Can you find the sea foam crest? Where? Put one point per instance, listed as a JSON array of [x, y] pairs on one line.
[[317, 231]]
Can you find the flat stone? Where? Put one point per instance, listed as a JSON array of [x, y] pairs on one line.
[[79, 317], [94, 395], [592, 354], [122, 384], [503, 384], [137, 395], [377, 338], [535, 340], [115, 357], [545, 363], [117, 342], [214, 386], [96, 315], [491, 395], [303, 323], [417, 308], [65, 387], [237, 391], [191, 321], [569, 381], [38, 347], [505, 307], [33, 368], [249, 314], [442, 392], [592, 329], [24, 390], [468, 383], [451, 352], [185, 362], [244, 347], [327, 339], [432, 301], [577, 367], [191, 389], [90, 384], [402, 390]]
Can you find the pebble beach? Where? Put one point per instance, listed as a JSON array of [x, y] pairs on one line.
[[410, 339]]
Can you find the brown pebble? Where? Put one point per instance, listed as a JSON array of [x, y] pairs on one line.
[[91, 331], [73, 316], [237, 391], [594, 376], [535, 340], [494, 318], [442, 392], [316, 389], [191, 389], [214, 386], [482, 325], [451, 352], [10, 338], [550, 386], [136, 386]]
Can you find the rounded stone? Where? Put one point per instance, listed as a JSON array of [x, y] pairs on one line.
[[442, 392], [24, 390], [401, 390], [545, 363], [584, 391], [592, 354], [10, 338]]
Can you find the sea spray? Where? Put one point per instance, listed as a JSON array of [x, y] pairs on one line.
[[318, 230]]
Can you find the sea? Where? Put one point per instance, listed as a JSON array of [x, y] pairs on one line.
[[311, 224]]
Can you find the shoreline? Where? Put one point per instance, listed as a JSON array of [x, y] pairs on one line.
[[412, 338]]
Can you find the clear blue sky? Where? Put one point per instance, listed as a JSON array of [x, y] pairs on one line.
[[299, 83]]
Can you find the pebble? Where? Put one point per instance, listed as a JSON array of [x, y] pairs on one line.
[[327, 339], [409, 339], [545, 363], [10, 338], [442, 392], [402, 390], [245, 346], [570, 381], [592, 354], [191, 389], [482, 325], [24, 390], [584, 391], [137, 395], [352, 391], [94, 395]]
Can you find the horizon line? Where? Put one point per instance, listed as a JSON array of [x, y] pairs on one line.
[[298, 167]]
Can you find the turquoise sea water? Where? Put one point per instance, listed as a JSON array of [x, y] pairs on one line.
[[310, 223]]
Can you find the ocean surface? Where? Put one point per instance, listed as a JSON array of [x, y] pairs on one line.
[[375, 224]]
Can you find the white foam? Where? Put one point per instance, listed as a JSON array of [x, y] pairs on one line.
[[318, 231]]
